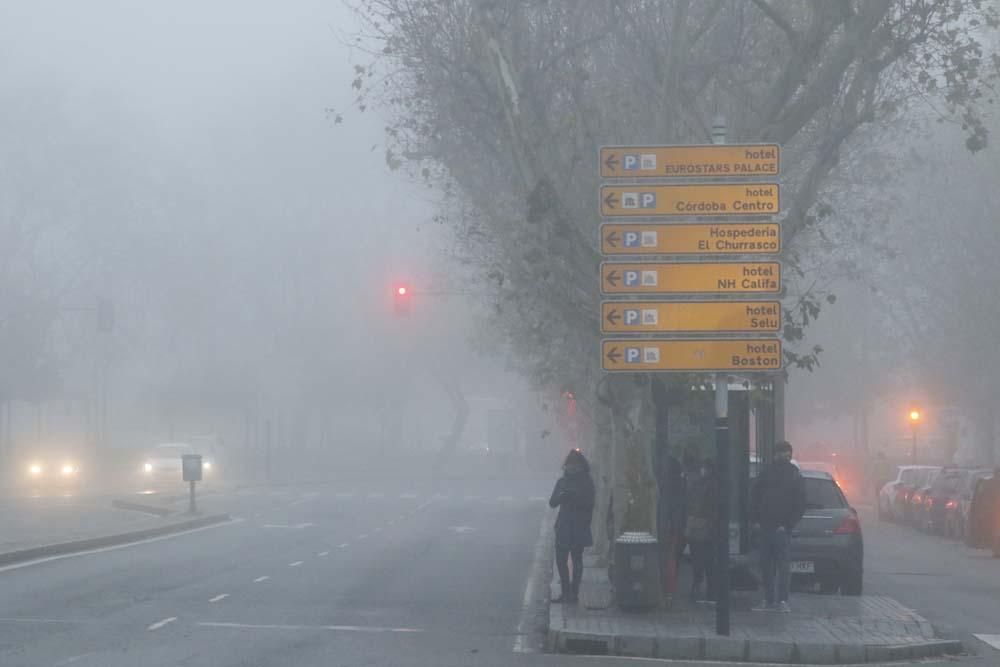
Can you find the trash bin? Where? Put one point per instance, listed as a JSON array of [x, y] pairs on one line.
[[637, 571]]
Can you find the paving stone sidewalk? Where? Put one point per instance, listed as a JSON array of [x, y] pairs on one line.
[[822, 629]]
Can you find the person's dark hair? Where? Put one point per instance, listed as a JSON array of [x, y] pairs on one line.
[[783, 446], [576, 458]]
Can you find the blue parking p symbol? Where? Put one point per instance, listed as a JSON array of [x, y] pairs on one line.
[[647, 200], [631, 278], [631, 239], [631, 317], [633, 355], [630, 162]]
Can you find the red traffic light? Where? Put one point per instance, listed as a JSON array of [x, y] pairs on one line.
[[401, 299]]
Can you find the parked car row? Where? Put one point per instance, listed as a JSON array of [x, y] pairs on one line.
[[934, 499]]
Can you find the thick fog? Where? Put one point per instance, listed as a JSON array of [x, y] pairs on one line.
[[199, 170]]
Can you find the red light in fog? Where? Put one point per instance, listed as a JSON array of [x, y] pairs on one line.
[[401, 291], [848, 526]]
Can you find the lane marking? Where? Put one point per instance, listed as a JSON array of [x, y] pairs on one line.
[[67, 621], [344, 545], [260, 579], [392, 522], [535, 575], [363, 536], [376, 530], [160, 624], [408, 496], [344, 495], [375, 496], [423, 505], [538, 499], [473, 497], [341, 628], [220, 596], [296, 526], [992, 640], [323, 553], [49, 559], [296, 563], [505, 498]]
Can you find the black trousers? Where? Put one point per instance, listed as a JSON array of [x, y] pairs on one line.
[[571, 588], [702, 565]]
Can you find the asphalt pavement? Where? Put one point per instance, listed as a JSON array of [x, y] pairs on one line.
[[369, 572]]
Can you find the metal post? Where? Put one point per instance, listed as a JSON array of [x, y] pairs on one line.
[[913, 450], [191, 505], [722, 468], [779, 407], [722, 527]]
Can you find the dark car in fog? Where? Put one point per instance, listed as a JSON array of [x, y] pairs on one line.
[[939, 498], [913, 512], [827, 548], [958, 510]]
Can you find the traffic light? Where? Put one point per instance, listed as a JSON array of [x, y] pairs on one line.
[[105, 315], [401, 299]]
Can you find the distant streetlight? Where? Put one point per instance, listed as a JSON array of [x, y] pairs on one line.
[[915, 418]]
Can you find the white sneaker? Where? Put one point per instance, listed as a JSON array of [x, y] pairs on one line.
[[784, 608]]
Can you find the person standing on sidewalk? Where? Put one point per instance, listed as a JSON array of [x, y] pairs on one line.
[[574, 496], [777, 504], [700, 528]]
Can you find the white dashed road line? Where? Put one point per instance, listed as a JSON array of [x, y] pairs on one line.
[[321, 554], [473, 497], [408, 496], [296, 563], [538, 499], [344, 545], [160, 624], [345, 495], [341, 628], [375, 496], [220, 596], [505, 499], [260, 579]]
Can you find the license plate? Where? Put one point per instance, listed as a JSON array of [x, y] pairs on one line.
[[802, 567]]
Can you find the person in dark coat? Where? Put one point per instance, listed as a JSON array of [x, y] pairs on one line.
[[699, 530], [777, 504], [574, 496]]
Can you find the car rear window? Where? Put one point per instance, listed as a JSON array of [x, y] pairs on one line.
[[823, 494]]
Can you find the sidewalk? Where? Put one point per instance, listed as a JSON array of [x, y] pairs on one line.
[[822, 629]]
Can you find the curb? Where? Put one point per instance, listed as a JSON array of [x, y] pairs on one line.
[[139, 507], [744, 650], [77, 546]]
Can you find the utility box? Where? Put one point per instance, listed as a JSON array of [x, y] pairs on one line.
[[637, 571], [191, 467]]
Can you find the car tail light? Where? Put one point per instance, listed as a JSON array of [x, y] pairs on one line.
[[916, 499], [950, 505], [848, 526]]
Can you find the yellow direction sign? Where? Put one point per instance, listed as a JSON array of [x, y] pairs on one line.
[[690, 316], [690, 161], [692, 356], [716, 199], [690, 277], [748, 238]]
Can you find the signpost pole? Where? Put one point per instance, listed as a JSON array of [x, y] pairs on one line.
[[722, 470], [191, 505]]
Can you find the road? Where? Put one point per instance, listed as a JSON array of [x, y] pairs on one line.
[[374, 573], [954, 587]]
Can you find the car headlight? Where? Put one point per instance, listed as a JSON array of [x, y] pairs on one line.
[[68, 469], [35, 469], [147, 467]]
